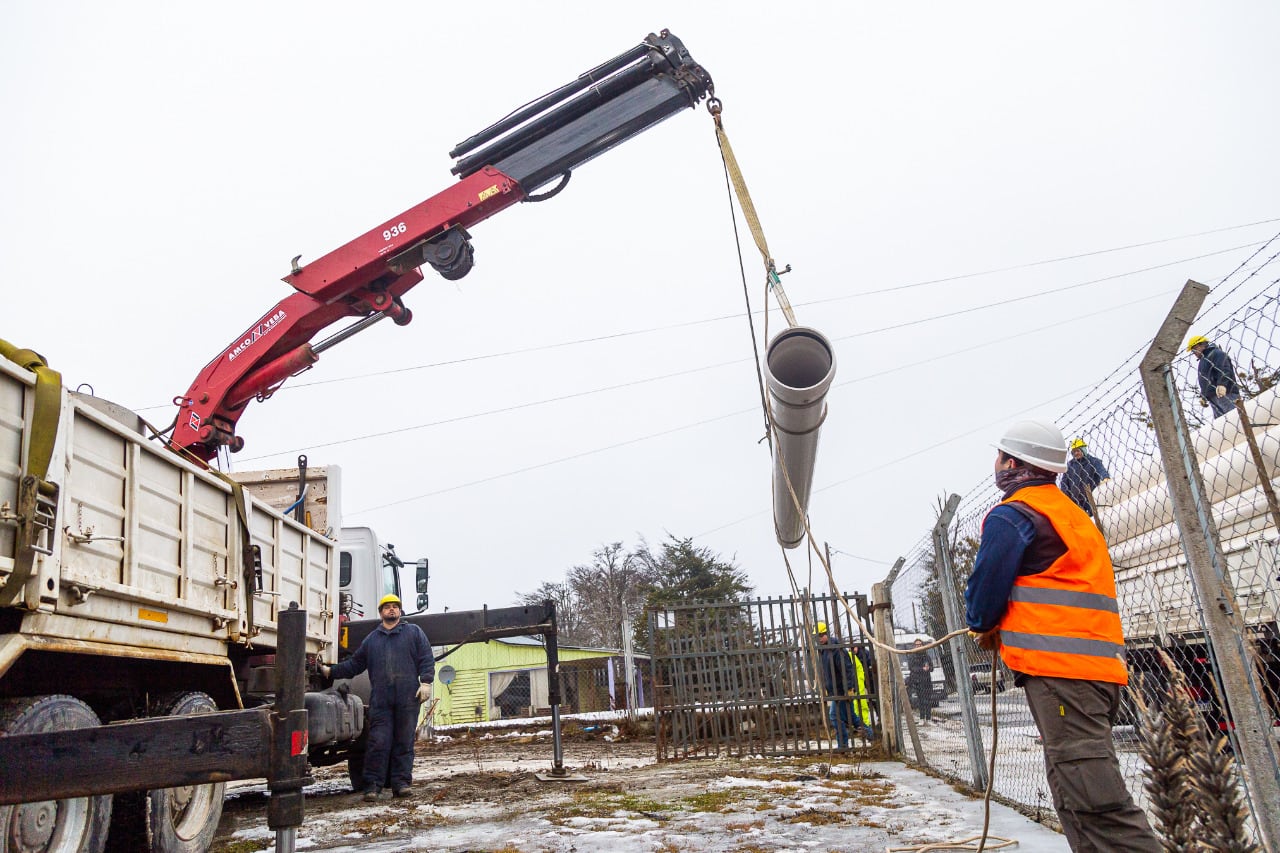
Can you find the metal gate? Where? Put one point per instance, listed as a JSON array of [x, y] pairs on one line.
[[737, 677]]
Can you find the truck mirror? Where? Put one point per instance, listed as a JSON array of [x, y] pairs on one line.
[[422, 576]]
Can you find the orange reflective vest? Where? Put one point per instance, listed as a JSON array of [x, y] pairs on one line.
[[1064, 622]]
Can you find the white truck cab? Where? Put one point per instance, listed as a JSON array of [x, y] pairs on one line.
[[368, 569]]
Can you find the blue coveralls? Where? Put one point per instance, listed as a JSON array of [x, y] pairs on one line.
[[1215, 368], [838, 678], [398, 661], [1081, 478]]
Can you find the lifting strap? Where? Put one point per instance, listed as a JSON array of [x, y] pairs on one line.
[[749, 213], [48, 394], [37, 498]]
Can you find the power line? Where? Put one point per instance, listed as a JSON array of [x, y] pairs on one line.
[[579, 394], [900, 459], [709, 320], [993, 342]]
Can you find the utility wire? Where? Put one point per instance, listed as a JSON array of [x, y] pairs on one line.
[[824, 488], [638, 382], [709, 320], [913, 454]]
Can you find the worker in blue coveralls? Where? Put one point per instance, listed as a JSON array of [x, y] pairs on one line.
[[843, 680], [1084, 473], [401, 668], [1215, 374]]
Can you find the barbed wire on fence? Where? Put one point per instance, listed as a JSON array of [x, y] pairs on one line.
[[1232, 408]]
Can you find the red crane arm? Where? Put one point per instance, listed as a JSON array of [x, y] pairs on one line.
[[498, 167], [365, 277]]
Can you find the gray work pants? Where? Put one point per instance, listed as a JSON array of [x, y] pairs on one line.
[[1075, 718]]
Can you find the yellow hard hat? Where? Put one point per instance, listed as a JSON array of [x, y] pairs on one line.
[[1078, 444], [1195, 341], [388, 599], [820, 628]]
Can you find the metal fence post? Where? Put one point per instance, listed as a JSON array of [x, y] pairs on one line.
[[1207, 564], [901, 696], [959, 654], [629, 665], [886, 686]]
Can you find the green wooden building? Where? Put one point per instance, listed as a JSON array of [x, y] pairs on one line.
[[506, 678]]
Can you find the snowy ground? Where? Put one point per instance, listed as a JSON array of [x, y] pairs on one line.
[[479, 793]]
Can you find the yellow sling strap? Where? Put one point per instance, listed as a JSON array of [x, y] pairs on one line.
[[44, 424], [749, 213], [37, 497]]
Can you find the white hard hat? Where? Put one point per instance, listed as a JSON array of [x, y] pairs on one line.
[[1037, 443]]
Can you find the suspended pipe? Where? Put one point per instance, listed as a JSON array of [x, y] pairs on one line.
[[799, 367]]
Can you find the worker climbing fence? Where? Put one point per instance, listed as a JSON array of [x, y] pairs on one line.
[[737, 678], [1175, 457]]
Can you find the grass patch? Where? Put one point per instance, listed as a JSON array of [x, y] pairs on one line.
[[242, 845], [716, 801], [607, 802], [815, 817]]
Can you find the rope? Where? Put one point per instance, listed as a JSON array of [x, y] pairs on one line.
[[774, 285]]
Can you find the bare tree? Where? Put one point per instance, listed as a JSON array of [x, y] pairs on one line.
[[569, 612], [612, 586]]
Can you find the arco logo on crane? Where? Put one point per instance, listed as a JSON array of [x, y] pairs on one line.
[[264, 328]]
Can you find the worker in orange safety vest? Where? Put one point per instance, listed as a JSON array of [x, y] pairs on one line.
[[1043, 591]]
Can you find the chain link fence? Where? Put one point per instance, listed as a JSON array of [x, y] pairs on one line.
[[1197, 560]]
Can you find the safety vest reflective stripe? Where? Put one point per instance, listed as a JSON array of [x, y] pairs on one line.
[[1064, 597], [1065, 645], [1063, 622]]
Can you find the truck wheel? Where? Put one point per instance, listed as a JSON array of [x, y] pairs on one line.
[[170, 820], [62, 826]]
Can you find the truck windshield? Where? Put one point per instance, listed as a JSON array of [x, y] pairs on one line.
[[390, 578]]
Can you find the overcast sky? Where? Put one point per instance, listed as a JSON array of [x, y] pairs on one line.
[[591, 380]]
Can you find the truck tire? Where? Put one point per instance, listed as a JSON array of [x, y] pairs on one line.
[[62, 826], [170, 820]]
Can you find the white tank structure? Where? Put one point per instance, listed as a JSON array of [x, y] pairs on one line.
[[1136, 516]]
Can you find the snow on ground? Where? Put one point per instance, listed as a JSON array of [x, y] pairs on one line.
[[479, 794]]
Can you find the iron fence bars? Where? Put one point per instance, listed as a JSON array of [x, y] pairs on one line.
[[1224, 626], [739, 678]]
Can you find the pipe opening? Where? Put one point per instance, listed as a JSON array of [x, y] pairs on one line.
[[800, 359]]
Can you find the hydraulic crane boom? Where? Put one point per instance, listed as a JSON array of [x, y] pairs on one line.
[[498, 167]]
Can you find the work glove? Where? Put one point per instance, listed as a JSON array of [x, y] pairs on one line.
[[986, 640], [1222, 391], [325, 669], [424, 693]]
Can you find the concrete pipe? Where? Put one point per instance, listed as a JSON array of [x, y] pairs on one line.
[[798, 366]]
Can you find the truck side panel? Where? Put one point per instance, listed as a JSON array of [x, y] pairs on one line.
[[13, 392], [148, 548]]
